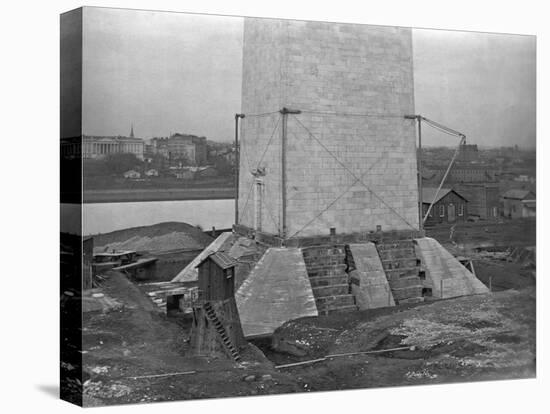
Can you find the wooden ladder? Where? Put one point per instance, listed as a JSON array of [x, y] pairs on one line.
[[211, 315]]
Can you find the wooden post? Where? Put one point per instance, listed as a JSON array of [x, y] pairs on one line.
[[490, 283], [237, 161], [419, 157], [441, 287], [284, 112], [283, 171], [389, 296]]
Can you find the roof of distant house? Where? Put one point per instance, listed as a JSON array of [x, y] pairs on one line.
[[518, 194], [428, 194]]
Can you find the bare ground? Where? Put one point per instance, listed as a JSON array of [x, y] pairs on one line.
[[472, 338]]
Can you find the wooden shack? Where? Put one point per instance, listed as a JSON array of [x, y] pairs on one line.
[[216, 329], [449, 206]]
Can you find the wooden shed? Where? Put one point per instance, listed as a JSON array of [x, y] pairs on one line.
[[216, 329], [217, 277]]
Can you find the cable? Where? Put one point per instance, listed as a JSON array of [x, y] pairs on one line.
[[443, 127], [270, 213], [366, 115], [261, 114], [444, 178], [259, 162], [442, 130], [352, 174], [337, 198]]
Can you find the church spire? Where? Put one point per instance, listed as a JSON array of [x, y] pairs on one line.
[[132, 131]]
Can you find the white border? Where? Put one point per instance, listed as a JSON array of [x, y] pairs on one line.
[[30, 102]]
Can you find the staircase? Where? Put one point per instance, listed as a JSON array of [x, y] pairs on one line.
[[326, 269], [402, 270], [211, 315]]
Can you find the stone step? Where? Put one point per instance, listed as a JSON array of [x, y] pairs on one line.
[[393, 274], [332, 290], [416, 299], [397, 244], [405, 282], [400, 263], [317, 281], [406, 293], [316, 251], [324, 261], [335, 300], [326, 270], [396, 253], [328, 310]]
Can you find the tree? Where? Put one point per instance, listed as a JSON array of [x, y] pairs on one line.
[[116, 164], [223, 166]]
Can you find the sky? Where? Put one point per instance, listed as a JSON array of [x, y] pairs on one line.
[[175, 72]]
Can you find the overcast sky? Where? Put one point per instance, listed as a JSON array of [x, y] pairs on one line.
[[173, 72]]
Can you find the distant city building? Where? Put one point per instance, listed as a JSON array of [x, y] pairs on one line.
[[529, 208], [468, 153], [132, 174], [463, 173], [519, 203], [524, 178], [483, 199], [181, 147], [94, 147], [152, 173]]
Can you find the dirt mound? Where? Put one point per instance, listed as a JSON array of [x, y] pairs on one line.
[[158, 237]]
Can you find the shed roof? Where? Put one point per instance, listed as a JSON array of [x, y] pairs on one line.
[[221, 259], [428, 194], [190, 272], [518, 194]]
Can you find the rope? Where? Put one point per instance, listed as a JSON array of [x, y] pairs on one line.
[[335, 200], [261, 114], [259, 162], [270, 213], [443, 127], [443, 180], [353, 175], [366, 115], [445, 131]]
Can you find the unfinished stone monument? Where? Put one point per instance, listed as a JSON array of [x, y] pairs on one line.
[[328, 186], [349, 156]]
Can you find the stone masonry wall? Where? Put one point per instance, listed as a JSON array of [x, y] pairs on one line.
[[263, 56], [353, 84]]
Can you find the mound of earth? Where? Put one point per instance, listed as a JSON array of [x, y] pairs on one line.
[[482, 337], [158, 237]]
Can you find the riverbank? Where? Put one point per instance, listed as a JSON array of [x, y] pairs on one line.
[[157, 194]]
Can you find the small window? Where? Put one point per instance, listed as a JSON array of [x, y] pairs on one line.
[[461, 209], [441, 210], [229, 273]]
